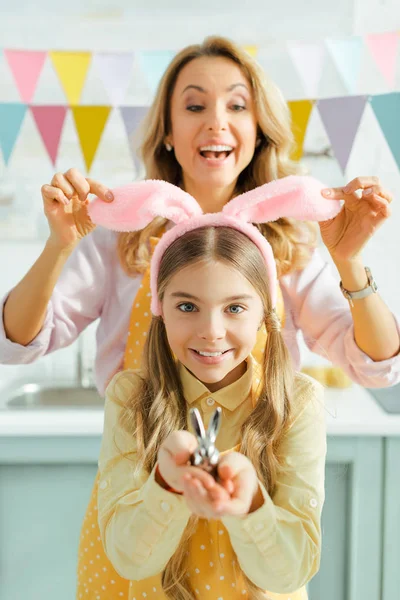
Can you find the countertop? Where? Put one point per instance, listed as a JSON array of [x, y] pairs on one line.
[[349, 412]]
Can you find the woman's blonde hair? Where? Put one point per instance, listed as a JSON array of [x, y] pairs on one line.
[[290, 240], [160, 406]]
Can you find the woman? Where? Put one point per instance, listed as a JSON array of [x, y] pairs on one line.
[[216, 128]]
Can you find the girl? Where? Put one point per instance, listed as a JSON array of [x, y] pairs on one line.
[[211, 93], [169, 527]]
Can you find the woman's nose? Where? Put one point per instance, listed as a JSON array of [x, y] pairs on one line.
[[217, 120]]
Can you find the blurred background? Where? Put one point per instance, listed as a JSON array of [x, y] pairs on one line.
[[76, 79]]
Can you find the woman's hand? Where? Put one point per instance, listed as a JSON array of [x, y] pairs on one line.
[[346, 234], [237, 492], [65, 206]]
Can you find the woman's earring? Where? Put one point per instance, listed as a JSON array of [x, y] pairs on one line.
[[168, 147], [258, 142]]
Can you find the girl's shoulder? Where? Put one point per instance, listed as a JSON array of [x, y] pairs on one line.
[[123, 385], [308, 393]]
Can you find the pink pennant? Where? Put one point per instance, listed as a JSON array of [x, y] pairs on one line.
[[50, 121], [383, 48], [26, 66]]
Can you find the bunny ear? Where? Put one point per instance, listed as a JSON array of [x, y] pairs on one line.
[[136, 204], [294, 196]]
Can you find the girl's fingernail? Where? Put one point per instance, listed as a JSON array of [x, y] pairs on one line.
[[368, 192], [109, 195], [346, 189], [326, 192]]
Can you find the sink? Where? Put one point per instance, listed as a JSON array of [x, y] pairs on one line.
[[387, 398], [36, 396]]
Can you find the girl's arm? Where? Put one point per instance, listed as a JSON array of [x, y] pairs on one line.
[[278, 545], [329, 327], [141, 523]]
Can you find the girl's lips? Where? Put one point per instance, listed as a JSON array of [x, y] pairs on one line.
[[210, 360]]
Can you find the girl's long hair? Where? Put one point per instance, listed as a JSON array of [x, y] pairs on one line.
[[160, 406], [290, 240]]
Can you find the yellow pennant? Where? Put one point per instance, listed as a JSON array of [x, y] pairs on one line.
[[90, 122], [252, 50], [71, 68], [300, 111]]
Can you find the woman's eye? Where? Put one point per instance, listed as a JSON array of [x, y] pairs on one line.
[[187, 307], [195, 107], [235, 309], [238, 107]]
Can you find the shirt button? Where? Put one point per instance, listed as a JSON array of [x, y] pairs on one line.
[[313, 503], [258, 527], [165, 506], [103, 485], [210, 401]]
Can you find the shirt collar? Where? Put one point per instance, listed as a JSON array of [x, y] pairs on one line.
[[230, 397]]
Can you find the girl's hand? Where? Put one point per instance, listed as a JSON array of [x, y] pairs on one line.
[[173, 460], [346, 234], [65, 206], [237, 493]]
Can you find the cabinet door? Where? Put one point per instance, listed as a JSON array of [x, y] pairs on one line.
[[351, 522], [43, 499], [391, 525]]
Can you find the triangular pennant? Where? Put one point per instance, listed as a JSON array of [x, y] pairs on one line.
[[341, 118], [346, 55], [308, 60], [114, 69], [387, 111], [300, 111], [50, 121], [90, 122], [383, 48], [153, 64], [132, 117], [71, 68], [11, 117], [26, 66], [252, 50]]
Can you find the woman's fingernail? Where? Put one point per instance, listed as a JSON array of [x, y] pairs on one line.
[[109, 195], [368, 192], [346, 189], [327, 192]]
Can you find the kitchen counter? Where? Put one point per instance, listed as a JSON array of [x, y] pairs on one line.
[[349, 412]]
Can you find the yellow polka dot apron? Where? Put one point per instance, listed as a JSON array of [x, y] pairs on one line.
[[96, 577]]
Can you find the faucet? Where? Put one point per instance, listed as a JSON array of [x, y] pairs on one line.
[[84, 365]]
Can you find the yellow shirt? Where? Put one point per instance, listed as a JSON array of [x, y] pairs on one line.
[[277, 546]]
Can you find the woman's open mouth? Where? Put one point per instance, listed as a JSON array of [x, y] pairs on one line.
[[215, 154]]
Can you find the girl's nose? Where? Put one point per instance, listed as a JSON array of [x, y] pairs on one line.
[[212, 328]]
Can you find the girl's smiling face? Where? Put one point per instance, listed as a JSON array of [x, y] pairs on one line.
[[213, 122], [211, 315]]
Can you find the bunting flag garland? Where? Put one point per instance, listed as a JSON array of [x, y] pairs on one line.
[[300, 112], [26, 67], [341, 118], [49, 121], [90, 122], [71, 68], [11, 117], [117, 72]]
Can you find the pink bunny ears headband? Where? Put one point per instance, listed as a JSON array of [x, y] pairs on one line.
[[135, 205]]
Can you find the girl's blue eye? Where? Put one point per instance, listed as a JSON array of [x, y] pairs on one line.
[[186, 307], [236, 309]]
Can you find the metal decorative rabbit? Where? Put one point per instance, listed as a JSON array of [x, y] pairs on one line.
[[206, 455]]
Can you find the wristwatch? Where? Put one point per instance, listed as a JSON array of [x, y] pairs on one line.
[[370, 288]]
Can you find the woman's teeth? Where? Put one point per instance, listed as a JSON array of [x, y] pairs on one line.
[[216, 151], [209, 353]]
